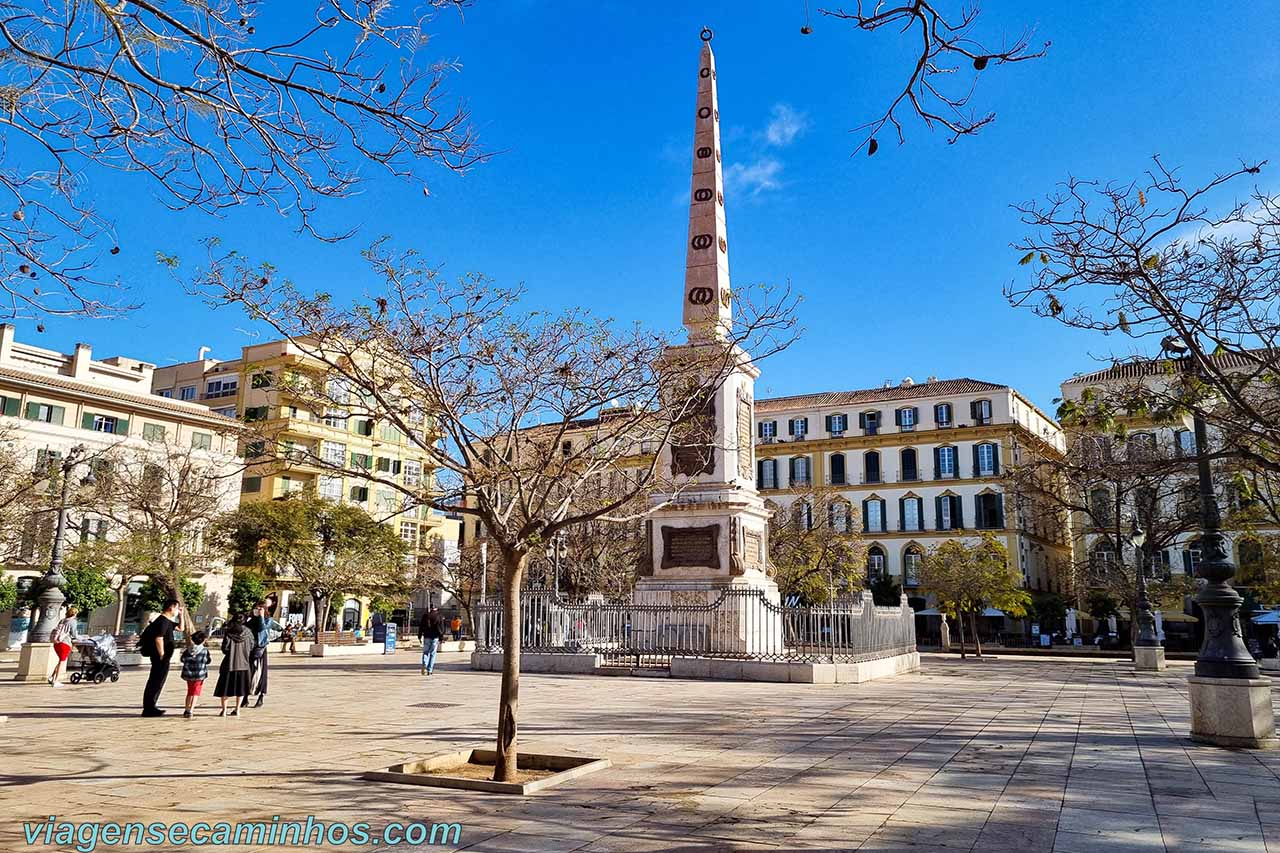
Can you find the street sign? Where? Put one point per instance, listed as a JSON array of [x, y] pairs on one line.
[[389, 642]]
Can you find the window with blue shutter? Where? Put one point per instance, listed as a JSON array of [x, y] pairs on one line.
[[837, 469], [910, 466], [871, 467]]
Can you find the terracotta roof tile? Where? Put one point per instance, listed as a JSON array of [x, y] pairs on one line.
[[152, 401], [825, 399], [1140, 368]]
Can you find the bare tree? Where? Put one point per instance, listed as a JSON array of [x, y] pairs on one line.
[[942, 39], [209, 113], [1194, 267], [160, 501], [520, 411], [1105, 484]]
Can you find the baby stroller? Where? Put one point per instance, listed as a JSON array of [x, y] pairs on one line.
[[97, 660]]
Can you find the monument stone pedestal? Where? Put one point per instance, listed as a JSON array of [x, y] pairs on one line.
[[1148, 658], [1233, 712], [36, 662]]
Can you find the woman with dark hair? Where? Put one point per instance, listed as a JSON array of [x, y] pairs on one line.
[[233, 674]]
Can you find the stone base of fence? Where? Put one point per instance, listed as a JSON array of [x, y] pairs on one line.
[[576, 664], [718, 668], [795, 673]]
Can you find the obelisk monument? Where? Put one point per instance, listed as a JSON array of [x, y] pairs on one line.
[[713, 535]]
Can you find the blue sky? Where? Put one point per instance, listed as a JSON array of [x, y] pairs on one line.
[[900, 258]]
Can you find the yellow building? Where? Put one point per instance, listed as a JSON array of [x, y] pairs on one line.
[[256, 389]]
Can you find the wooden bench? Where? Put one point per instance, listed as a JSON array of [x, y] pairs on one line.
[[337, 638]]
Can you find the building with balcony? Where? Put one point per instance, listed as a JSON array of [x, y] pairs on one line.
[[258, 388], [1166, 504], [916, 463], [51, 402]]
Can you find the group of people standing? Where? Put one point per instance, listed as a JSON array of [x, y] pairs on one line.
[[242, 673]]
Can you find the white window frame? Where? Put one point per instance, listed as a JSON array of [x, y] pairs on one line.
[[187, 392], [986, 467], [807, 477], [943, 472], [911, 567], [875, 516], [944, 517], [908, 418], [951, 416], [329, 487], [839, 424], [769, 473], [768, 430], [412, 470], [876, 564], [333, 453], [909, 504], [101, 422], [984, 412], [799, 428], [839, 516]]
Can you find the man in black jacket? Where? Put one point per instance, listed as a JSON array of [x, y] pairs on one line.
[[156, 643], [429, 632]]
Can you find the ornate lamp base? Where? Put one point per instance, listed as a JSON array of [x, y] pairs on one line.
[[1148, 658], [1233, 712]]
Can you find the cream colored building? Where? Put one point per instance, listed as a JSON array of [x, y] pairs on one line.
[[1181, 556], [918, 463], [53, 401], [252, 389]]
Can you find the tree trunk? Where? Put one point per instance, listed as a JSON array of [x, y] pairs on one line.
[[504, 768], [977, 637], [960, 624]]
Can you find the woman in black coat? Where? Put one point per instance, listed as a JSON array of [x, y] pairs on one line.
[[233, 673]]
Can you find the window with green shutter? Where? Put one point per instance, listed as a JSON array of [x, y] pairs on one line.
[[46, 412], [251, 484], [10, 406], [201, 440], [153, 432]]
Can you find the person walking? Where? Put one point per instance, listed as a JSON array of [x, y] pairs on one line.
[[63, 636], [233, 672], [156, 644], [259, 625], [455, 627], [195, 669], [429, 632]]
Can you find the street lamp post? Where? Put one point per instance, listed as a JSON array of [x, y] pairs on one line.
[[36, 661], [1230, 701], [1148, 654]]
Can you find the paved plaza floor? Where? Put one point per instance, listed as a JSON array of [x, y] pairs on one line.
[[1009, 754]]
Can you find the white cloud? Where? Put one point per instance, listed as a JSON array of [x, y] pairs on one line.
[[785, 125], [752, 179]]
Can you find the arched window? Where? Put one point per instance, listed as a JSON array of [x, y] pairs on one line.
[[873, 515], [875, 562], [838, 516], [799, 471], [980, 411], [942, 415], [871, 466], [986, 459], [912, 556], [910, 465], [1141, 446], [945, 466], [767, 474], [838, 476]]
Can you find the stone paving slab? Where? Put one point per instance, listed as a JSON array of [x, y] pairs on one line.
[[1020, 754]]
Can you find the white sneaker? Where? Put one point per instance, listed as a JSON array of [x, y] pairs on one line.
[[56, 683]]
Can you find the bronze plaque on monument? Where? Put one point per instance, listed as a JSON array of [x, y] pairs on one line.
[[691, 546], [693, 459], [744, 437], [754, 548]]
